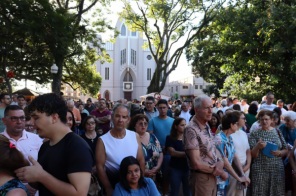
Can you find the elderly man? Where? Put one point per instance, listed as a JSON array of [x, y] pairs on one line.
[[204, 159], [114, 146]]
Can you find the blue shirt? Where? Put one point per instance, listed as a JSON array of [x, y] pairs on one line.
[[289, 134], [161, 128], [149, 190], [225, 146]]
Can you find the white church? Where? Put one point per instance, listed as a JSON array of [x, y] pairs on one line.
[[132, 68]]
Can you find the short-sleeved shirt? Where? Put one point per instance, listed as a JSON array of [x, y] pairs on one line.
[[151, 152], [12, 184], [70, 155], [225, 146], [29, 144], [149, 190], [104, 126], [289, 134], [198, 137], [161, 128], [176, 162]]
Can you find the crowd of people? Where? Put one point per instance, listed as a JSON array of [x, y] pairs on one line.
[[207, 146]]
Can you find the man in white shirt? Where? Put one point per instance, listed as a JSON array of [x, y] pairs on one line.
[[27, 143], [268, 105], [185, 112]]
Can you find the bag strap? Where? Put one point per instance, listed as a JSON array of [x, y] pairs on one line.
[[279, 134]]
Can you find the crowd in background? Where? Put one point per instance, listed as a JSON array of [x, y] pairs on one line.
[[205, 146]]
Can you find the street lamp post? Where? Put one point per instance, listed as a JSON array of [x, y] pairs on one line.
[[54, 70], [257, 79]]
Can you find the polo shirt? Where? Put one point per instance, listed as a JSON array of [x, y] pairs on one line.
[[28, 144]]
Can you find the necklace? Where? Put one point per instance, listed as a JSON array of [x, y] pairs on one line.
[[91, 137]]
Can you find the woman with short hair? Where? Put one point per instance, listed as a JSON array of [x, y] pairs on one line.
[[267, 168]]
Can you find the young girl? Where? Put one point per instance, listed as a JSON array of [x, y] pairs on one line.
[[178, 163], [132, 180], [10, 160]]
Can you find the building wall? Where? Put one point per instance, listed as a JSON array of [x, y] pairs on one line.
[[188, 87], [117, 70]]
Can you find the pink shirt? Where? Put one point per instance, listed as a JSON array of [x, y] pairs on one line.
[[198, 137], [28, 144]]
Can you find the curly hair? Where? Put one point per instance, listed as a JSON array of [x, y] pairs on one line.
[[49, 104], [135, 119]]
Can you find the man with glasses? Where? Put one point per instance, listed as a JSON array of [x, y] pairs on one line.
[[150, 110], [5, 101], [27, 143]]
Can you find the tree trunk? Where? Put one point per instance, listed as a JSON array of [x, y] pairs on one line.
[[154, 84]]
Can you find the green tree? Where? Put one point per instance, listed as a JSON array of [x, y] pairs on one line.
[[36, 34], [169, 27], [249, 39]]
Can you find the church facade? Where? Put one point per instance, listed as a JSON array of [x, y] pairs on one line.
[[132, 68]]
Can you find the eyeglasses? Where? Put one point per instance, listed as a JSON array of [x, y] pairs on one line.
[[142, 124], [29, 126], [90, 123], [16, 118]]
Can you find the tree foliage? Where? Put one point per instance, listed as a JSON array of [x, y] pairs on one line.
[[249, 39], [169, 27], [37, 33]]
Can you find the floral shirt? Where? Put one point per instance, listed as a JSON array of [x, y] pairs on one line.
[[151, 152], [10, 185], [226, 148], [198, 137]]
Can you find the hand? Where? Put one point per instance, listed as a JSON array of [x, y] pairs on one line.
[[154, 170], [276, 153], [245, 180], [31, 190], [218, 168], [149, 173], [261, 144], [31, 173]]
